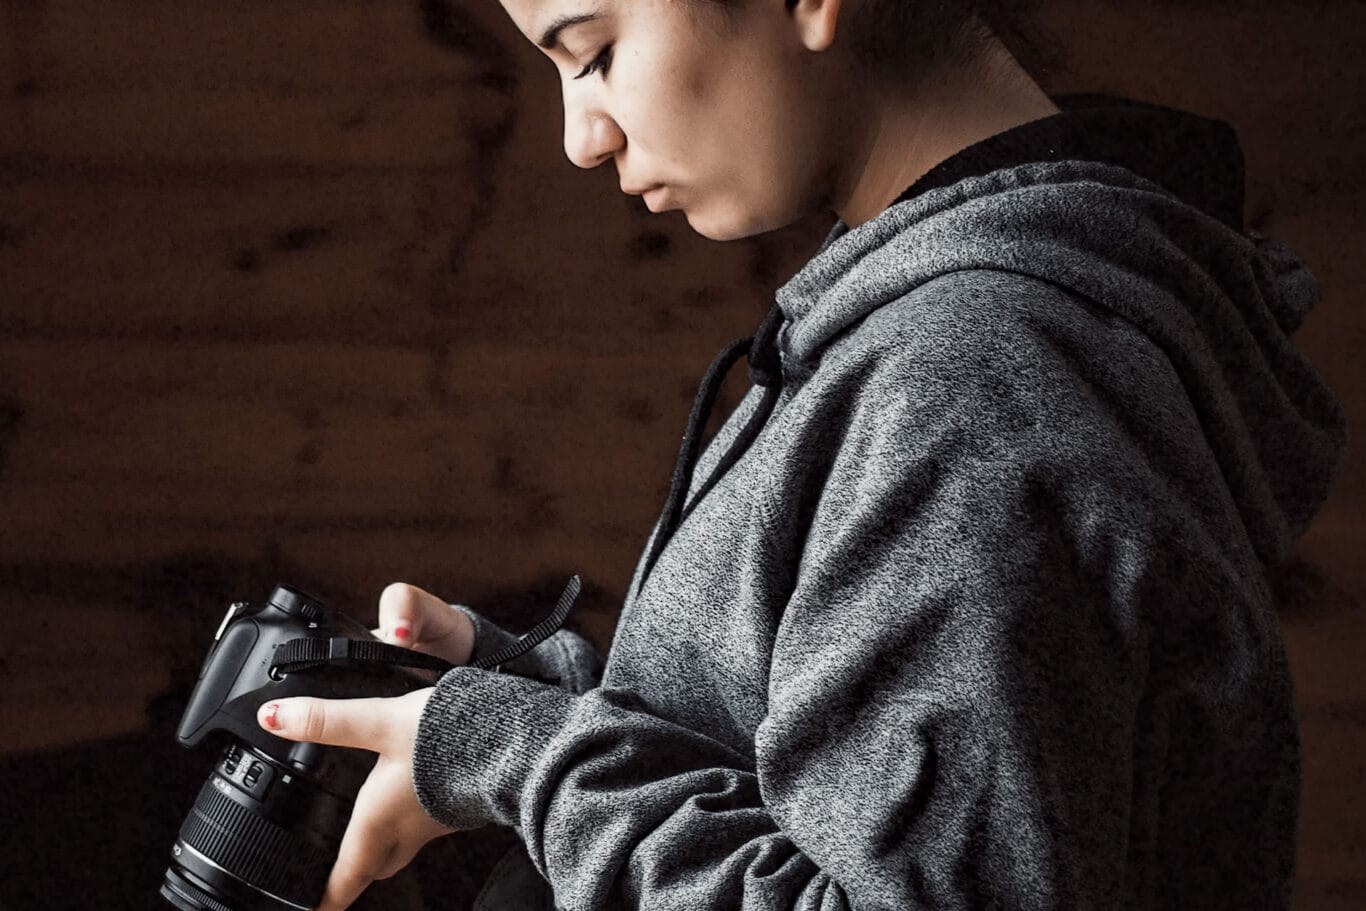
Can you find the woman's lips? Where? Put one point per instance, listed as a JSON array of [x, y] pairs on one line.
[[655, 198]]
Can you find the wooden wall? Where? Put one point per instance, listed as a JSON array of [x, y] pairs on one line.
[[307, 292]]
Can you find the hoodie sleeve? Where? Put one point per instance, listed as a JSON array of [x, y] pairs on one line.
[[954, 684], [954, 689], [565, 658]]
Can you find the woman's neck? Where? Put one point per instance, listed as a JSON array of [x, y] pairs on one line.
[[909, 132]]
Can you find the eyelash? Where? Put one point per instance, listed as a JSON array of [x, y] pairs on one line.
[[600, 63]]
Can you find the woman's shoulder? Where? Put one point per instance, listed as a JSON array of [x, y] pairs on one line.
[[970, 332]]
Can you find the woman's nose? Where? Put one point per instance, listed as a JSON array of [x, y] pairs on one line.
[[591, 137]]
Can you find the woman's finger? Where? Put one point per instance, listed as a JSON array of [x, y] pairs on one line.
[[413, 618], [387, 829], [402, 613], [362, 859], [360, 723]]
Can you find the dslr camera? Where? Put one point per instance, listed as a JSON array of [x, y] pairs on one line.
[[265, 829]]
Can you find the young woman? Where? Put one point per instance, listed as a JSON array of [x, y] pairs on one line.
[[964, 605]]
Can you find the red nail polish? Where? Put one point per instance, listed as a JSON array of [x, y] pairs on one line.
[[271, 719], [402, 632]]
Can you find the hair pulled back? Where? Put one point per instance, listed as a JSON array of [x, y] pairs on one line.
[[907, 38]]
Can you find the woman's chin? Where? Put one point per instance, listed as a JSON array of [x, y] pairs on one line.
[[723, 226]]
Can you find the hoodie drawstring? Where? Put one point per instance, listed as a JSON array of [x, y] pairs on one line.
[[765, 370]]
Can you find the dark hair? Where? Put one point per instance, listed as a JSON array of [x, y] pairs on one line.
[[907, 38]]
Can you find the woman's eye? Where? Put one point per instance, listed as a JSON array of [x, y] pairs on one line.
[[599, 64]]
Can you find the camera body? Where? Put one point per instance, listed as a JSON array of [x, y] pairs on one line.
[[264, 830]]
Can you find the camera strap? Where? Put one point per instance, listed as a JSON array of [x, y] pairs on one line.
[[306, 653], [538, 633]]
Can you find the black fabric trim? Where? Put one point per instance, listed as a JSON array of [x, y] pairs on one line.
[[1196, 158]]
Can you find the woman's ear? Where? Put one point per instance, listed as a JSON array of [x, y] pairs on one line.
[[816, 20]]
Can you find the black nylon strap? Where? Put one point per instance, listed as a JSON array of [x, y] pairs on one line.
[[306, 653], [538, 633]]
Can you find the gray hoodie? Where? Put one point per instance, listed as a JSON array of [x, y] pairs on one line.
[[978, 619]]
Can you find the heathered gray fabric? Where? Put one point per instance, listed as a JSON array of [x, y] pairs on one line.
[[564, 658], [979, 620]]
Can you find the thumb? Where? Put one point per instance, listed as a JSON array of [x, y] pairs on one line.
[[417, 619], [359, 723], [409, 615]]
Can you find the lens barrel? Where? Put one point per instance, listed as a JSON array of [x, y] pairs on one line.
[[260, 837]]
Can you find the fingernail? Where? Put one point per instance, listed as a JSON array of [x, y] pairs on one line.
[[402, 632], [271, 717]]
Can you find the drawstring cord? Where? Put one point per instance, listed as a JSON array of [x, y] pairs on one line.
[[765, 370]]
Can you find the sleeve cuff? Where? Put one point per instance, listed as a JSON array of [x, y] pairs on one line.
[[478, 741], [489, 637], [565, 659]]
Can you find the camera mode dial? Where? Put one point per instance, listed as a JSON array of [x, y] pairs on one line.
[[297, 603]]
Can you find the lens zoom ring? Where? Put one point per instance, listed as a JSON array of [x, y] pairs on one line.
[[188, 890], [253, 848]]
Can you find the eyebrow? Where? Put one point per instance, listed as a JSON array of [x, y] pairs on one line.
[[551, 36]]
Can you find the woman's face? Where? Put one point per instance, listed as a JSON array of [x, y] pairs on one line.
[[722, 113]]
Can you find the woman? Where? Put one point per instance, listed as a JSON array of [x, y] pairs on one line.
[[964, 605]]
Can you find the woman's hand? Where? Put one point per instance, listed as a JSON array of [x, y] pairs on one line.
[[413, 618], [388, 825]]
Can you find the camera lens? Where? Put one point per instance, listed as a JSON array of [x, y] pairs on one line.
[[260, 837]]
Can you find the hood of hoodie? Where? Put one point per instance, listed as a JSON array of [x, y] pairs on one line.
[[1136, 233]]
